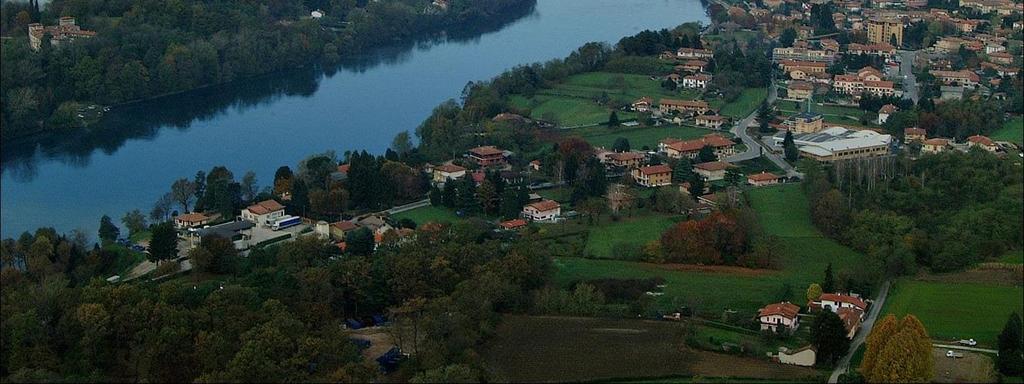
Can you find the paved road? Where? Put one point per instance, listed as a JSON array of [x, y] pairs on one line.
[[965, 348], [909, 81], [754, 147], [865, 329]]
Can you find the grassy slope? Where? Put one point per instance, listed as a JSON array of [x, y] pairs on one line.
[[633, 231], [783, 212], [1012, 130], [955, 311], [748, 102]]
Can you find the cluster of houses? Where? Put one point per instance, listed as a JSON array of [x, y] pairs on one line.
[[919, 136], [784, 318], [65, 31], [691, 69], [677, 111]]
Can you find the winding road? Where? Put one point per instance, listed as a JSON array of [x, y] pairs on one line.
[[755, 148], [865, 330]]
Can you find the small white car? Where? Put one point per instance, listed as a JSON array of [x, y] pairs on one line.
[[954, 355]]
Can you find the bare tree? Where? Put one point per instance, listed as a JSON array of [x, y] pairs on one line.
[[183, 192], [249, 187], [162, 208]]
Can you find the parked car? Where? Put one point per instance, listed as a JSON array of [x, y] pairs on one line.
[[954, 355], [969, 342], [675, 316]]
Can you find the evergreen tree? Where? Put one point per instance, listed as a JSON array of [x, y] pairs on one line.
[[164, 244], [792, 153], [828, 335], [682, 171], [707, 154], [828, 285], [435, 196], [359, 241], [108, 231], [621, 145], [613, 119], [448, 194], [300, 196], [1010, 361]]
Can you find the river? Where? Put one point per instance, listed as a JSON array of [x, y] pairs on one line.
[[260, 124]]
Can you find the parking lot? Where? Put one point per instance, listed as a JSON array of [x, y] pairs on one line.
[[261, 233]]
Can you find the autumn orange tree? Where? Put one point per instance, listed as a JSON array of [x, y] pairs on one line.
[[898, 352]]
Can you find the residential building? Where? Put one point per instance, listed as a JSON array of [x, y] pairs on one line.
[[486, 156], [884, 112], [653, 176], [339, 229], [627, 160], [513, 224], [803, 54], [834, 301], [856, 86], [64, 32], [885, 31], [763, 179], [694, 65], [779, 317], [851, 318], [838, 143], [982, 142], [805, 122], [799, 70], [961, 78], [711, 121], [686, 106], [642, 104], [914, 134], [445, 172], [699, 80], [693, 53], [263, 213], [884, 49], [544, 210], [712, 170], [676, 149], [799, 90], [935, 145], [190, 220]]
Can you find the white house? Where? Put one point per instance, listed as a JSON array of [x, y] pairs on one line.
[[779, 317], [544, 210], [263, 213], [699, 80], [834, 301], [445, 172], [190, 220]]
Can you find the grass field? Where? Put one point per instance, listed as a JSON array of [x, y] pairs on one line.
[[639, 137], [1013, 257], [427, 214], [1012, 130], [567, 349], [748, 102], [957, 311], [572, 103], [783, 212], [606, 235], [757, 165]]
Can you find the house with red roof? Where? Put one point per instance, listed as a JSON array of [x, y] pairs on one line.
[[513, 224], [763, 179], [544, 210], [677, 149], [263, 213], [914, 134], [653, 176], [190, 220], [486, 156], [851, 318], [834, 301], [982, 142], [779, 317], [712, 170], [444, 172]]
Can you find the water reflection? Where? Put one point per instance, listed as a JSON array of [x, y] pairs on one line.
[[20, 159]]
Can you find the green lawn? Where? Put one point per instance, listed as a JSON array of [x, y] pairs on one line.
[[1012, 130], [639, 137], [747, 103], [564, 110], [636, 231], [427, 214], [759, 164], [783, 212], [559, 194], [957, 311], [140, 236]]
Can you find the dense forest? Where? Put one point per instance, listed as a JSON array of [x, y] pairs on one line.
[[942, 212], [275, 315], [154, 47]]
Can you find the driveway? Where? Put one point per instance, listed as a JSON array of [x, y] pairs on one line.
[[865, 330], [755, 148]]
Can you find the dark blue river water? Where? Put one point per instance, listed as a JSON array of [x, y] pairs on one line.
[[261, 124]]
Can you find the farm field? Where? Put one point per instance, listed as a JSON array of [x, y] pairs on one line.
[[603, 136], [979, 312], [748, 102], [529, 349], [427, 214], [1012, 130], [607, 235], [783, 212]]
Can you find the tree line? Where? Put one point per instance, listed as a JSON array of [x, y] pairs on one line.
[[152, 47]]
